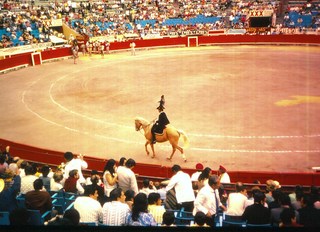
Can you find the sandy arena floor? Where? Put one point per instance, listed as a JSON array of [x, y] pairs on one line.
[[247, 107]]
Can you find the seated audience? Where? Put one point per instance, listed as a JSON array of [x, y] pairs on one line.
[[200, 219], [168, 218], [115, 212], [38, 199], [45, 170], [288, 218], [9, 189], [27, 180], [88, 206], [95, 180], [72, 184], [275, 212], [55, 183], [139, 215], [308, 214], [155, 207], [147, 187], [237, 201], [129, 198], [257, 213]]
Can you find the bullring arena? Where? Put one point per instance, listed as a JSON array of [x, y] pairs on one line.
[[247, 107]]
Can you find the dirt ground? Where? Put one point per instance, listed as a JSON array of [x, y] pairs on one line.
[[252, 108]]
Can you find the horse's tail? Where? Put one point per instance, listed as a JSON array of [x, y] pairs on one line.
[[185, 139]]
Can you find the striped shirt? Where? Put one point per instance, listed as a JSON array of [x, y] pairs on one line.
[[114, 213]]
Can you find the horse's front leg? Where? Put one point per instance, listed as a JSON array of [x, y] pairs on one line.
[[146, 146], [173, 151], [152, 148]]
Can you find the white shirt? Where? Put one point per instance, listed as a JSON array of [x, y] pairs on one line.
[[127, 180], [206, 200], [89, 209], [77, 164], [195, 176], [182, 184], [27, 183], [236, 204], [114, 213], [225, 178], [107, 187]]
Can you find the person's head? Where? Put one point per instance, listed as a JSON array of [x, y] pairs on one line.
[[19, 217], [122, 161], [74, 173], [29, 170], [38, 184], [168, 218], [73, 216], [117, 195], [140, 204], [285, 200], [110, 166], [259, 197], [45, 170], [240, 188], [288, 216], [2, 158], [199, 167], [222, 169], [129, 195], [14, 168], [91, 191], [68, 156], [200, 218], [130, 163], [58, 176], [307, 200], [154, 199], [146, 183], [175, 168], [213, 182], [205, 174], [277, 194]]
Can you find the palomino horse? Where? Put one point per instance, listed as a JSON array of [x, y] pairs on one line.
[[170, 134]]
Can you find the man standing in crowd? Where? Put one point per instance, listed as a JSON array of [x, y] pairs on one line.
[[126, 177], [72, 163], [181, 182], [208, 200]]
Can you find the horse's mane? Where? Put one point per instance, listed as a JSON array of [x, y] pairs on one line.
[[142, 120]]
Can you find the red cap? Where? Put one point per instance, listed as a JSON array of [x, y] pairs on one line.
[[222, 168], [199, 166]]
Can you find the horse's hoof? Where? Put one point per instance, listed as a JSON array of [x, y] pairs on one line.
[[153, 156], [185, 161], [168, 158]]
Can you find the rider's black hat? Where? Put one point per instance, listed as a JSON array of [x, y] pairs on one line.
[[162, 101]]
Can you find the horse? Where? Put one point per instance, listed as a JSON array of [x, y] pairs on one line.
[[170, 133]]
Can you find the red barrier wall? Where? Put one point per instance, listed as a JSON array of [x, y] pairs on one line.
[[56, 158]]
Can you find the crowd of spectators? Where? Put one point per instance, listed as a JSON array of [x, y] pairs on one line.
[[115, 199], [24, 22]]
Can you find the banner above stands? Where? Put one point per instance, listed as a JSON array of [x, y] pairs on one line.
[[260, 13]]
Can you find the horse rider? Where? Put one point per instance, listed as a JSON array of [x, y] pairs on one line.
[[162, 121]]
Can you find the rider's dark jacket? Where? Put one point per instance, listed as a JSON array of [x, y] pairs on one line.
[[161, 123]]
